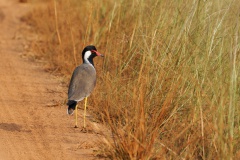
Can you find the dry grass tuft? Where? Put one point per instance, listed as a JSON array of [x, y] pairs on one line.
[[168, 87]]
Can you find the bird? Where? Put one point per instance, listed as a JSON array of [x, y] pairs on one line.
[[82, 82]]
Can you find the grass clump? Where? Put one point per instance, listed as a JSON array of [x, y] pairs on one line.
[[168, 87]]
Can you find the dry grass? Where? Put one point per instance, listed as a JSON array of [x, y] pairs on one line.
[[168, 87]]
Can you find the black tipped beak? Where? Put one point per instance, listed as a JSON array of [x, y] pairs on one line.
[[97, 53]]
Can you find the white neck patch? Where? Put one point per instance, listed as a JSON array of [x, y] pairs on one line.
[[86, 56]]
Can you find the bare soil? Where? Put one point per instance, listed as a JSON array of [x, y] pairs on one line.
[[33, 120]]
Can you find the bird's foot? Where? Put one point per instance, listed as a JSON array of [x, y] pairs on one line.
[[76, 126], [84, 130]]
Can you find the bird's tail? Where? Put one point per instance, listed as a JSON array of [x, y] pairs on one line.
[[71, 106]]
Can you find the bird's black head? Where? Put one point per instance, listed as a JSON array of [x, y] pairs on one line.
[[89, 53]]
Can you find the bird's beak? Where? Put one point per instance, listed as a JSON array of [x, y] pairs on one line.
[[98, 54]]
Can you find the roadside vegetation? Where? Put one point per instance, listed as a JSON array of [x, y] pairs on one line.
[[169, 85]]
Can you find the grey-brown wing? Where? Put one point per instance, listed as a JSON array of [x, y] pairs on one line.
[[82, 82]]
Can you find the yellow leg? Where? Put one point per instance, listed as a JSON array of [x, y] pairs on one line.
[[76, 126], [84, 114]]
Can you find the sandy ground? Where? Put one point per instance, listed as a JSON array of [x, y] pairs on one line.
[[33, 120]]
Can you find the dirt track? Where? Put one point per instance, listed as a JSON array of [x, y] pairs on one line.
[[33, 120]]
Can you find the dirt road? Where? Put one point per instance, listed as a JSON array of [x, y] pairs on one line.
[[33, 120]]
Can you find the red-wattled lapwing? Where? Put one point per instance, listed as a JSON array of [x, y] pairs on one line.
[[82, 82]]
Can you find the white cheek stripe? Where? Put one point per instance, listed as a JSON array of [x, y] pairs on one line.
[[86, 56]]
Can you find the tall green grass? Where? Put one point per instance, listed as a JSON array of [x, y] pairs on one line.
[[168, 87]]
